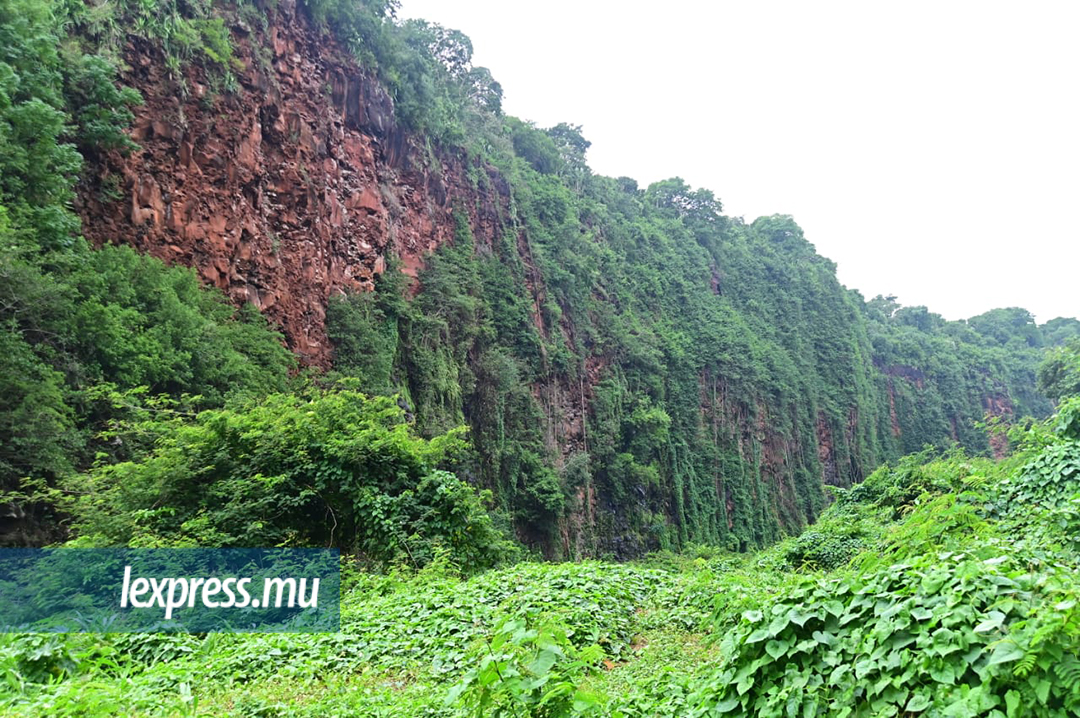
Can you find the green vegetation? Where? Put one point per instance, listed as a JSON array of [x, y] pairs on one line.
[[91, 332], [677, 332], [320, 468], [959, 599], [1059, 373], [618, 373], [637, 370], [88, 335]]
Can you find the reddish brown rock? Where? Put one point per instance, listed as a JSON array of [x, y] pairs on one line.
[[292, 189]]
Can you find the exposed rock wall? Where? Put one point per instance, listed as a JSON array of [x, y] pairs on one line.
[[296, 186]]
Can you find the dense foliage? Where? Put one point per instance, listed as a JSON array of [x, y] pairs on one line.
[[617, 350], [961, 599], [82, 329], [1059, 373], [620, 370], [694, 378], [330, 468], [637, 370]]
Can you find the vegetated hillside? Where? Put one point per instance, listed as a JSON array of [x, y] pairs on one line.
[[943, 585], [637, 370]]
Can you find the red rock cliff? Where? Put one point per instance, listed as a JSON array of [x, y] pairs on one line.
[[295, 186]]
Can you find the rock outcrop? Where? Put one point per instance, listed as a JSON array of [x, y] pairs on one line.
[[296, 185]]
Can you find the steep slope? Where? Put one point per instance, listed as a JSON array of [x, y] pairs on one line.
[[637, 369], [292, 184]]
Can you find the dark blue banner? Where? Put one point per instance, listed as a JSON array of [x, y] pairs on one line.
[[193, 590]]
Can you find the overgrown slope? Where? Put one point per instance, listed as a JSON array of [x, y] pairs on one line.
[[637, 370], [943, 585]]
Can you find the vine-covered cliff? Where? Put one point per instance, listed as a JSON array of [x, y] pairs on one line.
[[637, 369]]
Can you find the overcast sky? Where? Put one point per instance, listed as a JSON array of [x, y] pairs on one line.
[[929, 148]]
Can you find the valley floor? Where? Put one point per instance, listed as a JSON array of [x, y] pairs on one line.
[[943, 586]]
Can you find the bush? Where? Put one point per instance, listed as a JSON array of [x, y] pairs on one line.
[[824, 548], [320, 468], [105, 322], [946, 633]]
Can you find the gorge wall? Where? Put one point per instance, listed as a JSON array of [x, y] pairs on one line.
[[293, 187], [638, 370]]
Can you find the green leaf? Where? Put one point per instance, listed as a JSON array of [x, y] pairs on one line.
[[1005, 652], [918, 703], [995, 619], [1012, 702], [585, 701], [776, 648], [943, 673], [778, 624], [727, 705], [834, 607], [757, 636], [921, 614], [542, 663]]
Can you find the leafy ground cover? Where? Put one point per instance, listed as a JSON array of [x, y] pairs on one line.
[[942, 586]]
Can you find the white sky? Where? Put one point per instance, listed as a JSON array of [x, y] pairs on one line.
[[929, 148]]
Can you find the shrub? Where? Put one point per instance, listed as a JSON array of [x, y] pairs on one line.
[[946, 633], [320, 468]]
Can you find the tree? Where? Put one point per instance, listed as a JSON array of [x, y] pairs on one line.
[[535, 146], [1059, 373], [316, 468], [1059, 331], [674, 195], [1000, 326], [572, 147], [451, 49], [483, 91]]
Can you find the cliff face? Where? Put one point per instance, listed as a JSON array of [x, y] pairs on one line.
[[638, 370], [297, 186]]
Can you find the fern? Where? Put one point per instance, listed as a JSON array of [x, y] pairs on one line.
[[1068, 672]]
